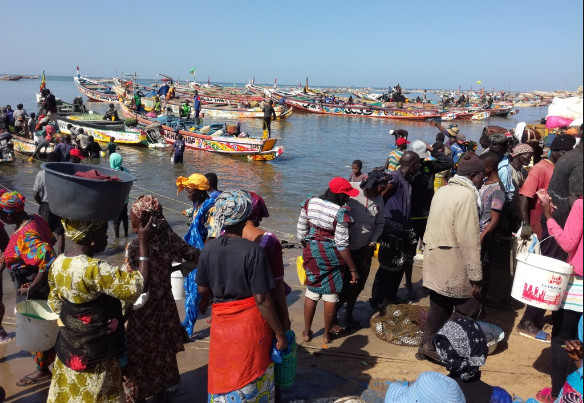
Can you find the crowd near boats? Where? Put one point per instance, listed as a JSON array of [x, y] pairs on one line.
[[475, 216]]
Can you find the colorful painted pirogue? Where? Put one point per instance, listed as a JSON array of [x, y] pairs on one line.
[[26, 146], [226, 112], [260, 149], [94, 90], [103, 134]]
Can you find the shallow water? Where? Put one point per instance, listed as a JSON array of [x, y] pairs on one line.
[[317, 149]]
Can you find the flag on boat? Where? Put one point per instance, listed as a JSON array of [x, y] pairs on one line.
[[192, 72], [43, 82]]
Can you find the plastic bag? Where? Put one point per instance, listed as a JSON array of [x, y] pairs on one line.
[[300, 270]]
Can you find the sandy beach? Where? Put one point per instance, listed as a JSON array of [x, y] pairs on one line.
[[356, 364]]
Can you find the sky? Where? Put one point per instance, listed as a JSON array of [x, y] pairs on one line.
[[509, 45]]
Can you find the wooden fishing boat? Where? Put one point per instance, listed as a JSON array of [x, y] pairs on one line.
[[260, 149], [94, 90], [26, 146], [102, 133], [225, 112], [363, 111]]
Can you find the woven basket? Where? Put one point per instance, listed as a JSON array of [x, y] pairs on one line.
[[285, 372]]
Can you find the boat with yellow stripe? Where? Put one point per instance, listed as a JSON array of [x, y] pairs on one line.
[[129, 136]]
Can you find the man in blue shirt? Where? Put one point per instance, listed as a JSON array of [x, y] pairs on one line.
[[499, 145], [197, 105], [178, 149]]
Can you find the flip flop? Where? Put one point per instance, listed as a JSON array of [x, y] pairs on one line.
[[29, 380], [545, 396]]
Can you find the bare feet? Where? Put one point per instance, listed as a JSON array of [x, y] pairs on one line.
[[327, 338], [307, 336]]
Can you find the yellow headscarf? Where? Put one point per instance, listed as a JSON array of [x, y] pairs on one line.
[[76, 230], [195, 181]]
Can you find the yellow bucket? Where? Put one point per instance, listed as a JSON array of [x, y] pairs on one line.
[[439, 181]]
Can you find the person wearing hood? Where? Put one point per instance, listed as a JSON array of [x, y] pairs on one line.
[[116, 160], [432, 161], [452, 269]]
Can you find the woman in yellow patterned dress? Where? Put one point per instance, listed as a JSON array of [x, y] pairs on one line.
[[87, 294]]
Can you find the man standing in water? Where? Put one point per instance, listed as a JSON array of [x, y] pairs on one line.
[[269, 113], [177, 150], [398, 240]]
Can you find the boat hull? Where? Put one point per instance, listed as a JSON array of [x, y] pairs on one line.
[[103, 135], [235, 146], [93, 94], [27, 146]]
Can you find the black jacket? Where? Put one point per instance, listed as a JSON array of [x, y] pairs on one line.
[[423, 183]]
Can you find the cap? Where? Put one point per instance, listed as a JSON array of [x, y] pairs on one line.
[[75, 152], [564, 142], [498, 139], [461, 137], [521, 148], [401, 141], [419, 147], [470, 164], [429, 387], [341, 185]]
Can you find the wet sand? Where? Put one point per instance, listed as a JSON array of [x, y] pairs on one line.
[[356, 364]]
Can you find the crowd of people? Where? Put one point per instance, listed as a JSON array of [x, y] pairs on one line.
[[461, 209]]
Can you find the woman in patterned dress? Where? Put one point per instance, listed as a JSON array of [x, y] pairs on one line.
[[154, 332], [323, 229], [86, 293], [28, 256]]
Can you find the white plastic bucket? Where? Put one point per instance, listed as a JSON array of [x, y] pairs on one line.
[[177, 282], [540, 281], [35, 334]]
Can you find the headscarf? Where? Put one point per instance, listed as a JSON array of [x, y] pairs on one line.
[[471, 145], [374, 178], [195, 181], [76, 230], [462, 347], [231, 207], [12, 202], [147, 204], [116, 160], [521, 148], [259, 210]]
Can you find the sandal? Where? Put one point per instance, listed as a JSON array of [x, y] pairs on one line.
[[545, 396], [338, 330], [29, 380], [530, 331]]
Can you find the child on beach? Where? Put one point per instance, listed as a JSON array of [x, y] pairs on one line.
[[356, 174]]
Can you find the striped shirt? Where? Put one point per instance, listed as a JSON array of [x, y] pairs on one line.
[[323, 214], [573, 297]]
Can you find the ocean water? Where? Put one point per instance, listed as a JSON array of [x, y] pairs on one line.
[[317, 148]]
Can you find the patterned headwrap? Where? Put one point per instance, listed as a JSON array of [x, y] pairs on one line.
[[147, 204], [462, 347], [12, 202], [195, 181], [259, 210], [521, 148], [231, 207], [76, 230], [471, 145], [374, 178]]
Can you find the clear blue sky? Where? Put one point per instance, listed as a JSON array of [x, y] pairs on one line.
[[522, 45]]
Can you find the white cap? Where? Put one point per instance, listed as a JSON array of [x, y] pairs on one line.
[[419, 147], [391, 132]]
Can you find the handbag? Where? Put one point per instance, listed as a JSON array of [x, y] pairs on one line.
[[300, 270]]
